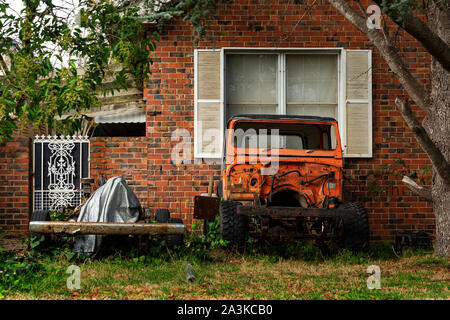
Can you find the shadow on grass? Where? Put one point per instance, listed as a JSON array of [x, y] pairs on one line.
[[197, 248]]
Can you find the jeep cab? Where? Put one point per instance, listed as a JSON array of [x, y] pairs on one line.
[[283, 181]]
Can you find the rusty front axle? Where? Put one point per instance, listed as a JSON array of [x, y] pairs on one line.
[[293, 212], [76, 228]]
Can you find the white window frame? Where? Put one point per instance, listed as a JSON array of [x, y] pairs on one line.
[[281, 80]]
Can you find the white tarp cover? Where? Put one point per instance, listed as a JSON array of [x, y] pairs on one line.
[[112, 202]]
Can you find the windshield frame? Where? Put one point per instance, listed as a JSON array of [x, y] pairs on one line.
[[232, 151]]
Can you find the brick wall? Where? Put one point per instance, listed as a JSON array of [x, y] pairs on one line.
[[15, 188], [373, 182], [121, 156], [145, 162]]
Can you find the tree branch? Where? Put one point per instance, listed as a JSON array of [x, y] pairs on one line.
[[417, 189], [412, 86], [438, 160], [419, 30], [443, 5], [3, 65]]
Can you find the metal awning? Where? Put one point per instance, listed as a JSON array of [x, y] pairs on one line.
[[124, 107], [116, 114], [125, 114]]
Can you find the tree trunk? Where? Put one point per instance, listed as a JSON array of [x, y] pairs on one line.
[[438, 127]]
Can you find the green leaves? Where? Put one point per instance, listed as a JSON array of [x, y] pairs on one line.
[[72, 50], [58, 59], [401, 8]]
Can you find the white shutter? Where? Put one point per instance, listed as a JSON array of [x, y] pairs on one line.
[[357, 104], [208, 103]]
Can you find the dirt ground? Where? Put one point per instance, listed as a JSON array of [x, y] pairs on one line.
[[12, 242]]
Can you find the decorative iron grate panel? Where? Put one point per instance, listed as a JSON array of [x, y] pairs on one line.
[[59, 163], [42, 200]]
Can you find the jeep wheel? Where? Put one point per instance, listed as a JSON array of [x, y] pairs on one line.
[[233, 228], [356, 228], [162, 215], [220, 190], [174, 239], [39, 215]]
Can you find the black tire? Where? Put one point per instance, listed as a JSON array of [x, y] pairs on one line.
[[39, 215], [356, 228], [220, 189], [233, 227], [162, 215], [174, 239]]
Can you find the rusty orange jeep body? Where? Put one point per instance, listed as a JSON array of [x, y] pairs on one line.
[[283, 180], [306, 171]]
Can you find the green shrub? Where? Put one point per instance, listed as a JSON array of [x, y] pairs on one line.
[[198, 244], [21, 271], [60, 215]]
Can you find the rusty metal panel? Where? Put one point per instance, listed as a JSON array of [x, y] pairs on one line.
[[206, 207], [105, 228], [293, 211]]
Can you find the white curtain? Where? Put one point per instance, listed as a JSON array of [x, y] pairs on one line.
[[312, 84], [251, 82]]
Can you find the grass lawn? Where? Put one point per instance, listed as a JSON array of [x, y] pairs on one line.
[[230, 275]]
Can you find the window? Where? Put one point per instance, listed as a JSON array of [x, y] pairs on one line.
[[312, 84], [327, 82], [295, 84], [252, 84]]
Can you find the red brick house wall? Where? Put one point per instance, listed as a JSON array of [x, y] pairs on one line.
[[146, 161], [15, 184], [121, 156], [248, 23]]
